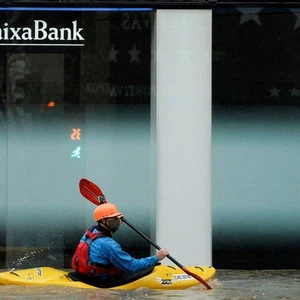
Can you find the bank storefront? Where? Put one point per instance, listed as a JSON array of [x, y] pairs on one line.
[[76, 101]]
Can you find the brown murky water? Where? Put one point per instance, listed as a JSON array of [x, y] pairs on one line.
[[228, 285]]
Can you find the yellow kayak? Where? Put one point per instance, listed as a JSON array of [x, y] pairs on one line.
[[160, 277]]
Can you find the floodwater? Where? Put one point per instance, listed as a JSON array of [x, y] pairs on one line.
[[227, 285]]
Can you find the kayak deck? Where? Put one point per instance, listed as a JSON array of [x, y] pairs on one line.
[[162, 277]]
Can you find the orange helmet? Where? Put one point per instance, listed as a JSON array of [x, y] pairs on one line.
[[106, 210]]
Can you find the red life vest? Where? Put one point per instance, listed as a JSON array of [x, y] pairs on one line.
[[81, 259]]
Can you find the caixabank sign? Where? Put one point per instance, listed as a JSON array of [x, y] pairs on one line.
[[29, 27], [60, 26], [41, 31]]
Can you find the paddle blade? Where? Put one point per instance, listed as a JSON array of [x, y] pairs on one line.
[[196, 277], [91, 191]]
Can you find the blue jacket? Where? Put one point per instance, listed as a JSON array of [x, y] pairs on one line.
[[106, 250]]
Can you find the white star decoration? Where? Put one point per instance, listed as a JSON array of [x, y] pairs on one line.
[[249, 14], [274, 92], [113, 54], [134, 53], [295, 92]]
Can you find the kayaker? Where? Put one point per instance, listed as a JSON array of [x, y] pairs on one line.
[[100, 255]]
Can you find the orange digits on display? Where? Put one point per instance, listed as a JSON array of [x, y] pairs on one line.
[[75, 135]]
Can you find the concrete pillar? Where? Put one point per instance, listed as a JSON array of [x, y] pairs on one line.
[[181, 119]]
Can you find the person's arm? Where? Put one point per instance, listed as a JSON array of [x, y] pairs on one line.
[[126, 262]]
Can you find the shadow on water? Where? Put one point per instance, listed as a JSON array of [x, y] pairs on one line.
[[228, 285]]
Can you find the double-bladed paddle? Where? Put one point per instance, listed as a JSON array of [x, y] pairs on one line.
[[93, 193]]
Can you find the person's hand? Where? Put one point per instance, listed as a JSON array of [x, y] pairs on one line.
[[162, 253]]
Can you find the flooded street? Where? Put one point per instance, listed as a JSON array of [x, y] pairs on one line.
[[227, 285]]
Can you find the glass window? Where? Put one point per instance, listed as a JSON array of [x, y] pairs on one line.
[[75, 102], [255, 150]]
